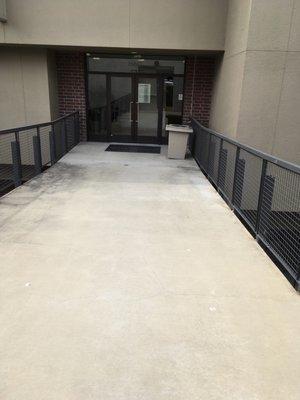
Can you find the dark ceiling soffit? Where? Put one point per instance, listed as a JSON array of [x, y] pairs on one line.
[[120, 50]]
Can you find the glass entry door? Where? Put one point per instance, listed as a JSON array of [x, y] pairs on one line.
[[147, 108], [121, 100], [125, 107]]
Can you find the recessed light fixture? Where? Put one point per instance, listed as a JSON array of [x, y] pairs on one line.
[[96, 58]]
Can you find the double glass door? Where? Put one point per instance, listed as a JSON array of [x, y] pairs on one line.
[[135, 108], [129, 111]]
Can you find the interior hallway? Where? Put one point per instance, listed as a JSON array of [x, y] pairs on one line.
[[126, 277]]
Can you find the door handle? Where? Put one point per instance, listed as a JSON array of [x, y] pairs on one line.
[[137, 111], [130, 111]]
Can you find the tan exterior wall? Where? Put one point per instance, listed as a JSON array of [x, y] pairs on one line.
[[2, 10], [52, 83], [230, 72], [171, 24], [267, 114], [24, 90]]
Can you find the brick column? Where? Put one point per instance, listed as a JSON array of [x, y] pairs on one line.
[[71, 86], [199, 76]]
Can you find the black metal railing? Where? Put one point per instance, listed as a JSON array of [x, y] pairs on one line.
[[26, 151], [263, 191]]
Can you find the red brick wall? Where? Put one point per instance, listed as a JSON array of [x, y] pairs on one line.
[[71, 86], [199, 76]]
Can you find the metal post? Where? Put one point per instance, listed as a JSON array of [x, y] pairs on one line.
[[73, 131], [63, 138], [219, 164], [77, 129], [37, 152], [238, 179], [261, 193], [208, 151], [237, 193], [222, 168], [52, 146], [65, 135], [16, 159], [212, 150]]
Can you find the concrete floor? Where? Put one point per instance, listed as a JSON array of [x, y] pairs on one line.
[[126, 277]]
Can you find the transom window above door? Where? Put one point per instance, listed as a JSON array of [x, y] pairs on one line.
[[135, 63]]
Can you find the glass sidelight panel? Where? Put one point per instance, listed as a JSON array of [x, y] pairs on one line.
[[147, 107], [97, 118], [172, 102], [121, 105]]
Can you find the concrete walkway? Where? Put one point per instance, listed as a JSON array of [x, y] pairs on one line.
[[126, 277]]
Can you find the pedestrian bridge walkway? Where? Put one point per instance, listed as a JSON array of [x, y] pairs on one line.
[[126, 277]]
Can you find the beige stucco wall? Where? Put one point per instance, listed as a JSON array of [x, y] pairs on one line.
[[171, 24], [24, 89], [2, 10], [227, 91], [266, 102], [52, 84], [28, 95]]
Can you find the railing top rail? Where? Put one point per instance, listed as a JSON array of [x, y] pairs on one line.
[[278, 161], [27, 127]]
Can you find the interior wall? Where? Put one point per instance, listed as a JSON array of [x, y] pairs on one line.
[[24, 90]]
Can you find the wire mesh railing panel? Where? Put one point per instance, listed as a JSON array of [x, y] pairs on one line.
[[70, 128], [204, 151], [280, 214], [59, 139], [201, 148], [263, 191], [27, 153], [45, 132], [6, 163], [213, 159], [227, 168], [247, 185]]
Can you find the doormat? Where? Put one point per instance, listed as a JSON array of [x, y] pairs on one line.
[[129, 148]]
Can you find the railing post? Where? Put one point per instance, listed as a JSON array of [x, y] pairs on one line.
[[238, 179], [16, 159], [212, 150], [191, 141], [63, 138], [222, 168], [208, 152], [219, 161], [238, 190], [73, 130], [37, 151], [52, 145], [77, 128], [65, 135], [261, 193]]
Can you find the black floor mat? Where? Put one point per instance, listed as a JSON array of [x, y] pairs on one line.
[[129, 148]]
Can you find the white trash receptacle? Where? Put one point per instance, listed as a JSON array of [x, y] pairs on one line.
[[178, 140]]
